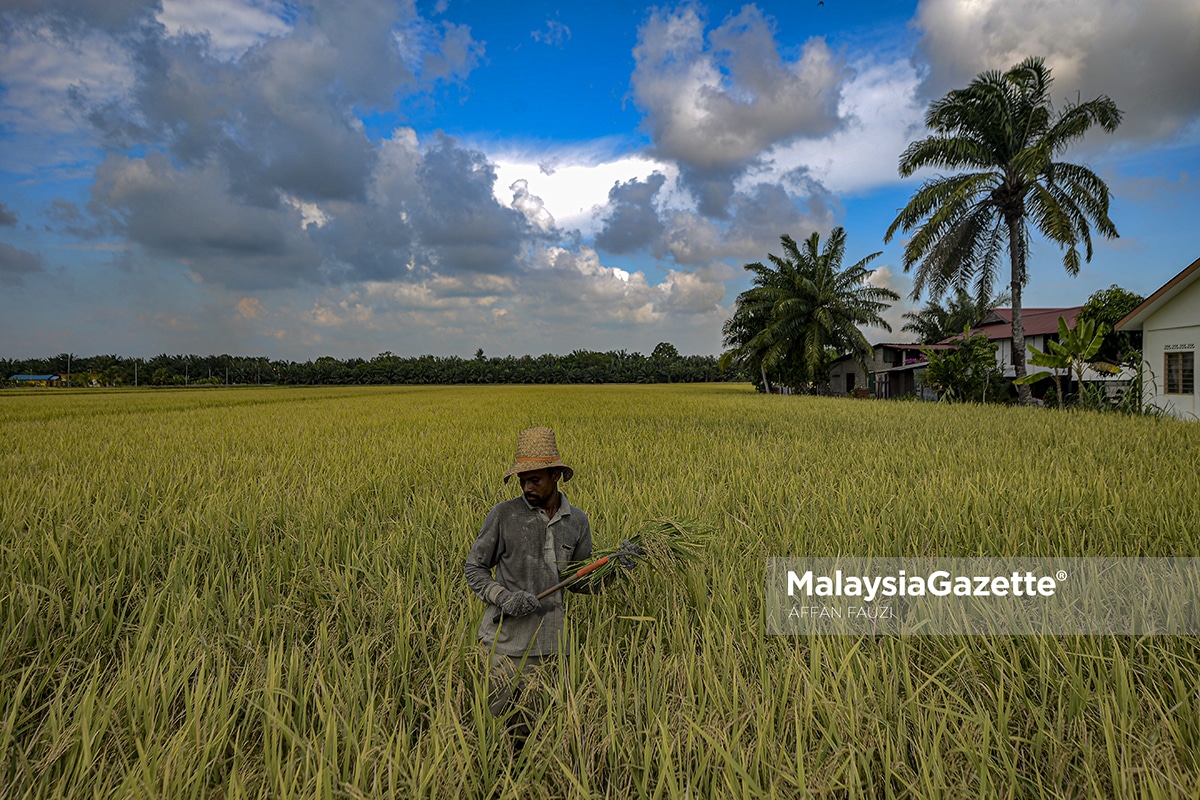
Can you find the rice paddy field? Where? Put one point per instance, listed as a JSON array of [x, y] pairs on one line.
[[259, 593]]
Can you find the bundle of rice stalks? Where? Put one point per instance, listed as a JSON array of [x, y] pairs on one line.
[[662, 542]]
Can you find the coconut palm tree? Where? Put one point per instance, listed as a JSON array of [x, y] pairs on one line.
[[803, 306], [1003, 131]]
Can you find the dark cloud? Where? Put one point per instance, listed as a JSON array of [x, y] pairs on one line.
[[1145, 55], [759, 216], [284, 115], [8, 217], [715, 103], [189, 216], [767, 212], [458, 220], [16, 263], [633, 222], [259, 174], [69, 218], [72, 17]]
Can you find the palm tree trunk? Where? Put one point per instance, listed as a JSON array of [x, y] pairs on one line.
[[766, 386], [1016, 254]]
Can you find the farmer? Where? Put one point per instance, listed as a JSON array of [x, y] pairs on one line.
[[528, 541]]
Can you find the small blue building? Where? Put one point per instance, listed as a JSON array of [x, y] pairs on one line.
[[36, 380]]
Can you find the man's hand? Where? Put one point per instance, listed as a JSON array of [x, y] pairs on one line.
[[518, 604], [630, 552]]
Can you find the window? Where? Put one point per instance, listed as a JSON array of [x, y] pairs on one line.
[[1180, 373]]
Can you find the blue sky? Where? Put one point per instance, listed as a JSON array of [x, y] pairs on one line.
[[328, 178]]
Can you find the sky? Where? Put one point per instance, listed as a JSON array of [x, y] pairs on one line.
[[323, 177]]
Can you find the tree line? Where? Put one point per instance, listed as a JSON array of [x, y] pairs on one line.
[[663, 365]]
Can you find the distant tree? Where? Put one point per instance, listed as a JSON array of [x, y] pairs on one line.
[[746, 350], [1000, 135], [1109, 306], [664, 351], [936, 322]]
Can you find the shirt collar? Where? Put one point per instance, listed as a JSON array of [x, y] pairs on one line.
[[564, 508]]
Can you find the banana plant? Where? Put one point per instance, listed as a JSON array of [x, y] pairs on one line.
[[1072, 353]]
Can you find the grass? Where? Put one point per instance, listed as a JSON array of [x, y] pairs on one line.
[[258, 593]]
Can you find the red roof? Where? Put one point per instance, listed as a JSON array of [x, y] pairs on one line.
[[906, 345], [1035, 321]]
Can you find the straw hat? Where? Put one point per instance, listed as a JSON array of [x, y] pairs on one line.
[[536, 450]]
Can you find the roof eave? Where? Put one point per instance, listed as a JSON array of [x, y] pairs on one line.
[[1134, 319]]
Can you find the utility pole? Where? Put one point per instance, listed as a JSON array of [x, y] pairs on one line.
[[68, 370], [135, 373]]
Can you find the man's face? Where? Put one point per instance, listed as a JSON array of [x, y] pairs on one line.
[[540, 486]]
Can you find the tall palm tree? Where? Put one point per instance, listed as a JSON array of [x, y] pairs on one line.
[[802, 306], [1003, 130]]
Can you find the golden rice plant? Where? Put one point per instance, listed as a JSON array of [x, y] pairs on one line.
[[259, 593]]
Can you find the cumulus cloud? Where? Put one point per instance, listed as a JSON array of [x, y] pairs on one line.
[[714, 102], [190, 216], [577, 283], [461, 225], [574, 182], [882, 114], [1143, 55], [234, 141], [760, 215], [47, 75], [8, 217]]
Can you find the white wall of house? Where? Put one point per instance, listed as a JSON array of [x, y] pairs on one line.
[[1004, 355], [1174, 327]]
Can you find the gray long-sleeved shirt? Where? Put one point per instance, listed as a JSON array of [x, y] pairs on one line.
[[528, 551]]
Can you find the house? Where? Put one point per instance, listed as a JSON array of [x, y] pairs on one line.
[[1040, 326], [895, 368], [891, 372], [35, 380], [1169, 321]]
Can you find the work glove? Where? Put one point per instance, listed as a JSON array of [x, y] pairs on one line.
[[518, 604], [630, 552]]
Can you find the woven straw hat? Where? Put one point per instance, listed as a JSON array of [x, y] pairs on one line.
[[536, 450]]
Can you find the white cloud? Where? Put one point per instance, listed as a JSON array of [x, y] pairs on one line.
[[717, 101], [577, 185], [310, 213], [44, 77], [883, 115], [232, 26], [531, 206]]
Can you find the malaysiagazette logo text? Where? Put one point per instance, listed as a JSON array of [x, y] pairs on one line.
[[939, 583]]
